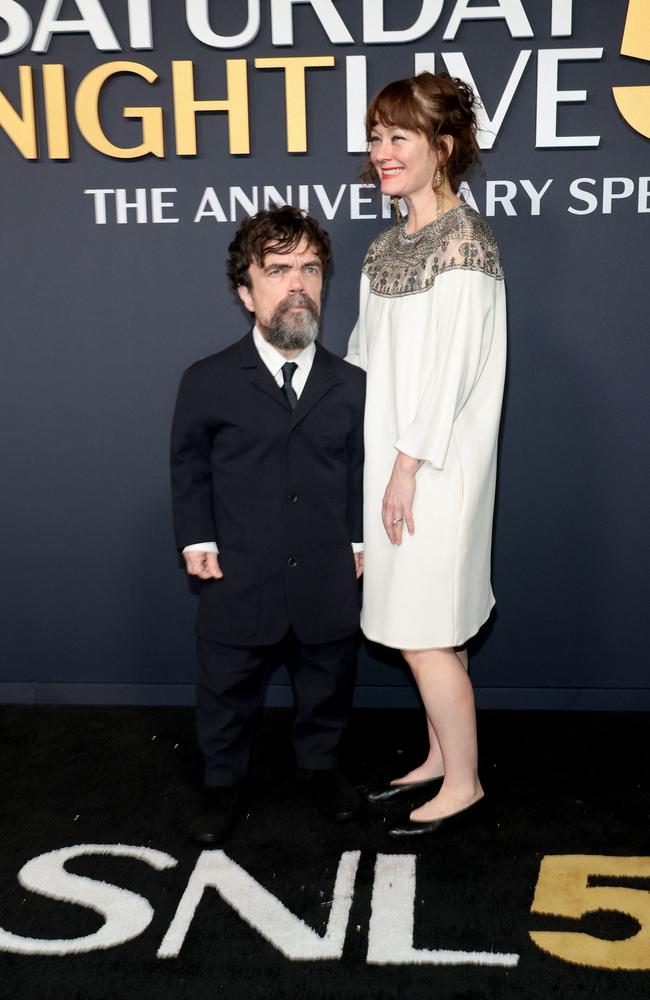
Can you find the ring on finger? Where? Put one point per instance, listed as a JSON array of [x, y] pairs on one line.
[[397, 520]]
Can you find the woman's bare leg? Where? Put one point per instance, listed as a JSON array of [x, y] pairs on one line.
[[433, 766], [448, 697]]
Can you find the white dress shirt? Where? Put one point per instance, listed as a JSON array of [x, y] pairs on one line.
[[274, 362]]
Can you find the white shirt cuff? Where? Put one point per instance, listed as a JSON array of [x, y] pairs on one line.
[[212, 547]]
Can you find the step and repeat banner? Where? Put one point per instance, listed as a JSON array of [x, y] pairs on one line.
[[135, 135]]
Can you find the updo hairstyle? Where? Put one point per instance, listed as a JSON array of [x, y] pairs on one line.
[[435, 105]]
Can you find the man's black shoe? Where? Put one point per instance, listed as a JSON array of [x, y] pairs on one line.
[[218, 814], [331, 789]]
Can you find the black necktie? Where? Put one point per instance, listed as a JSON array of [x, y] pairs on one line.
[[287, 373]]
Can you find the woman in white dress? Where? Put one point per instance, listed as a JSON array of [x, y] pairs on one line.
[[431, 335]]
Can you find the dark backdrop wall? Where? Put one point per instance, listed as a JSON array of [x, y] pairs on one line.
[[113, 282]]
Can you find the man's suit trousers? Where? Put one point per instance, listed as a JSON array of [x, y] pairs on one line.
[[230, 686]]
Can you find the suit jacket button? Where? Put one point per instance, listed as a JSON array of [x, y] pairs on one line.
[[293, 498], [292, 561]]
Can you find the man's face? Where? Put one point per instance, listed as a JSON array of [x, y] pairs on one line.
[[285, 296]]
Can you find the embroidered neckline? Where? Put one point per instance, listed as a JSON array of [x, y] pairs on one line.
[[399, 263], [415, 237]]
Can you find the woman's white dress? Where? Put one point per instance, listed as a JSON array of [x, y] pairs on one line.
[[431, 336]]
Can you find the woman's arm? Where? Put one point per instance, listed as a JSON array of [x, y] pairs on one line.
[[463, 325], [463, 318]]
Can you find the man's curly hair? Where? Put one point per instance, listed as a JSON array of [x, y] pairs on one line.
[[280, 229]]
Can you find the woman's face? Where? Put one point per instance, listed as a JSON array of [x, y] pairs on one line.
[[404, 160]]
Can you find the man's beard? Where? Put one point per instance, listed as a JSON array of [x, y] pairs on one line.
[[290, 331]]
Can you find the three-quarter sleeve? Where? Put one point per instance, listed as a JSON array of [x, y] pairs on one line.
[[463, 325]]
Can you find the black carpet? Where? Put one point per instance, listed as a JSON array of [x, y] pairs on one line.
[[159, 918]]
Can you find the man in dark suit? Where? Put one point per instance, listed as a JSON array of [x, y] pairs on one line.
[[267, 456]]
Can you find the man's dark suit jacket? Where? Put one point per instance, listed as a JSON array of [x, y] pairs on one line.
[[279, 490]]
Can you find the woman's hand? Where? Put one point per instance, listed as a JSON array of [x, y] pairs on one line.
[[397, 506]]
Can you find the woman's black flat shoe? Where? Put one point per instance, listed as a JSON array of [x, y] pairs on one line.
[[463, 820], [385, 793]]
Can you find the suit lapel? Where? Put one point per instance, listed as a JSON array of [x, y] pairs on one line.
[[259, 375], [322, 378]]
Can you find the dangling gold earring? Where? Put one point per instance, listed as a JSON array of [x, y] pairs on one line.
[[398, 211], [439, 188]]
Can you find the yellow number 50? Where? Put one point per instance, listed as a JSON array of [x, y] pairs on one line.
[[634, 102], [563, 890]]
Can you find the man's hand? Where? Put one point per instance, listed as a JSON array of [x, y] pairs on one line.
[[358, 563], [205, 565]]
